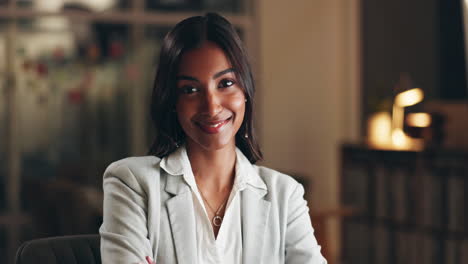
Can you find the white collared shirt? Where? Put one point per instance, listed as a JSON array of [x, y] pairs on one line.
[[227, 247]]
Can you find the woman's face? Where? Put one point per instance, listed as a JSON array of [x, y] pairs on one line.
[[210, 103]]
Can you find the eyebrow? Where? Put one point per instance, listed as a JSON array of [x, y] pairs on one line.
[[216, 75]]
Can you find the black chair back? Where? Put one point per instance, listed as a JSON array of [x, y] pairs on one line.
[[79, 249]]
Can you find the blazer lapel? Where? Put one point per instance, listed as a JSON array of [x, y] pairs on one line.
[[255, 212], [182, 218]]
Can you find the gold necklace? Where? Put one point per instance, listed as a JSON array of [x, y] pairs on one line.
[[217, 219]]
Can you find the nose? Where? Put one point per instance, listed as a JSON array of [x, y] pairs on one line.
[[212, 103]]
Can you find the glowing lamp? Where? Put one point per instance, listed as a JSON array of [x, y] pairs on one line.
[[385, 132], [400, 140], [418, 120], [409, 98], [404, 99], [379, 130]]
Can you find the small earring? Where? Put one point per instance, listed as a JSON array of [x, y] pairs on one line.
[[246, 135], [246, 100]]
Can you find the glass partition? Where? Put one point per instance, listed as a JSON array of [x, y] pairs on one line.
[[3, 112], [74, 85], [465, 31]]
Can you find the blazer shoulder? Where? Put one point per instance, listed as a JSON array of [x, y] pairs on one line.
[[135, 162], [277, 181], [134, 168]]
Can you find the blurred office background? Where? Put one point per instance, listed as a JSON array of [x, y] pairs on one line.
[[75, 80]]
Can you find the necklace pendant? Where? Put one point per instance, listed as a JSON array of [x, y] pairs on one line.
[[217, 220]]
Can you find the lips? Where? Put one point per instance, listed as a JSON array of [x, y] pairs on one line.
[[213, 127]]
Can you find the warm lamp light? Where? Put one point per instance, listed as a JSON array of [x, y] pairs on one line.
[[419, 120], [379, 130], [409, 98], [400, 140], [398, 117], [386, 132]]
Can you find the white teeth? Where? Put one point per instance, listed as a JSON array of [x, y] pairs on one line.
[[216, 125]]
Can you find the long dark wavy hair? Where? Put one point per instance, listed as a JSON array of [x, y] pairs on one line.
[[186, 35]]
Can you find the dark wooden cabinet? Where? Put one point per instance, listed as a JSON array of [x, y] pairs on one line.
[[411, 207]]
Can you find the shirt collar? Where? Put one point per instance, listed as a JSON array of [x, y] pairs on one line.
[[178, 163]]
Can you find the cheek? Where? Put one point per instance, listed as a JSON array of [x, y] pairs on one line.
[[237, 104]]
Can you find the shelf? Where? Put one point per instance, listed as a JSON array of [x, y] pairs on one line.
[[132, 17], [414, 204], [408, 227]]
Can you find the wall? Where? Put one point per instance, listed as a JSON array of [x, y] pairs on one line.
[[398, 37], [309, 91]]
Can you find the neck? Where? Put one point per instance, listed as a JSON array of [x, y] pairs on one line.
[[213, 169]]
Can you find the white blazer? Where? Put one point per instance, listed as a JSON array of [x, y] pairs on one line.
[[148, 211]]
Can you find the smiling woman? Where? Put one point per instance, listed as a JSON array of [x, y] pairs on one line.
[[190, 35], [199, 198], [210, 104]]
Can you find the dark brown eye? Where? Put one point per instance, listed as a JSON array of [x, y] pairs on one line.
[[225, 83], [188, 89]]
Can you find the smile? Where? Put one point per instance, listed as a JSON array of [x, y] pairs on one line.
[[213, 127]]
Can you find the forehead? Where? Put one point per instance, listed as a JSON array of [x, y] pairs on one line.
[[207, 59]]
